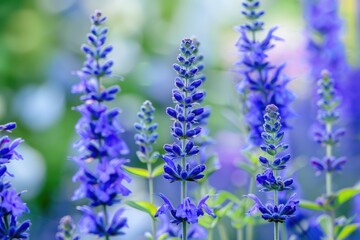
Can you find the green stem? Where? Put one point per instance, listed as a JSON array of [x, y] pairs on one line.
[[239, 233], [222, 232], [183, 194], [331, 212], [276, 202], [151, 197], [249, 227], [276, 231], [184, 230], [210, 234], [107, 237]]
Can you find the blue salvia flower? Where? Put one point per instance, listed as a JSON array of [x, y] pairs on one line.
[[187, 116], [101, 148], [145, 138], [326, 50], [147, 134], [274, 213], [186, 211], [195, 231], [325, 134], [11, 204], [66, 229], [262, 82], [269, 180]]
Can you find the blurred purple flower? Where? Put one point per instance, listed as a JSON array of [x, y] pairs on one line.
[[326, 50], [262, 83]]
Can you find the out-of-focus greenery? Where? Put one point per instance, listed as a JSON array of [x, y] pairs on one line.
[[40, 48]]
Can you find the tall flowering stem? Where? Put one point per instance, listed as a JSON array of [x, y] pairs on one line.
[[273, 161], [178, 165], [262, 82], [101, 148], [145, 137], [11, 204], [328, 137]]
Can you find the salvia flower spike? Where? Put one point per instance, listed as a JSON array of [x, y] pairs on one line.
[[262, 83], [328, 137], [325, 135], [11, 205], [145, 137], [269, 180], [187, 115], [101, 148]]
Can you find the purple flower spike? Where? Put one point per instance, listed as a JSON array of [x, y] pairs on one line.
[[262, 82], [100, 145], [11, 204], [325, 134]]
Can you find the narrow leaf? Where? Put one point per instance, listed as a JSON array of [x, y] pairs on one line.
[[137, 171], [143, 206], [310, 205], [158, 171], [347, 230], [345, 195]]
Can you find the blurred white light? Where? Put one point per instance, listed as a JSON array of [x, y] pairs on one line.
[[29, 173], [39, 107]]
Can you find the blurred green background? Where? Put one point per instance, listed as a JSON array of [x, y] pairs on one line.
[[40, 48]]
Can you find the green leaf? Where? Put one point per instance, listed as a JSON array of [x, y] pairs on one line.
[[224, 195], [158, 171], [143, 206], [325, 223], [142, 157], [163, 236], [154, 157], [347, 230], [149, 236], [311, 205], [345, 195], [223, 210], [137, 171]]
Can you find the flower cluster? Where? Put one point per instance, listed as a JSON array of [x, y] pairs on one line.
[[66, 229], [274, 213], [262, 83], [327, 116], [11, 204], [100, 145], [186, 211], [268, 180], [187, 116], [147, 134], [326, 50]]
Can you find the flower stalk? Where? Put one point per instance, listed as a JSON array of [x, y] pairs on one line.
[[101, 149]]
